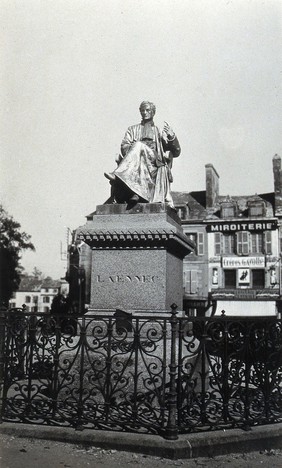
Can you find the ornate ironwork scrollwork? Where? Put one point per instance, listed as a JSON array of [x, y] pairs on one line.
[[100, 372]]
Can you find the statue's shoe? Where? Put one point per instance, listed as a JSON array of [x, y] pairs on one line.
[[110, 175]]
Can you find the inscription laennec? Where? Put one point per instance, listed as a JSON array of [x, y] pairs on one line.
[[126, 279]]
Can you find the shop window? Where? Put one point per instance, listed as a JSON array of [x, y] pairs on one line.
[[46, 309], [230, 278], [27, 309], [27, 299], [258, 278]]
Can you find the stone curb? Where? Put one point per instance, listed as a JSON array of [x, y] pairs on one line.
[[205, 444]]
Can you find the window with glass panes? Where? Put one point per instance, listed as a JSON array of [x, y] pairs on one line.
[[228, 243], [243, 243], [181, 212], [257, 242], [228, 211], [198, 239], [256, 209]]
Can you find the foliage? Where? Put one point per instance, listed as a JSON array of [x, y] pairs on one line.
[[12, 243], [37, 273]]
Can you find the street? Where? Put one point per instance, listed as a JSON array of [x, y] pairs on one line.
[[21, 452]]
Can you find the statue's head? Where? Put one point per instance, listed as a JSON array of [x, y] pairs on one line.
[[147, 110]]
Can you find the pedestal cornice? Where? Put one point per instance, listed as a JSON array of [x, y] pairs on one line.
[[147, 226]]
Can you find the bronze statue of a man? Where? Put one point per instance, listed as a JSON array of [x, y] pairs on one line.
[[144, 166]]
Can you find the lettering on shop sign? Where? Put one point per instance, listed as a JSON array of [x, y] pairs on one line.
[[126, 279], [243, 262], [247, 226]]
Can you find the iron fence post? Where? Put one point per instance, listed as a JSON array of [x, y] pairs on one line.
[[171, 432], [2, 356]]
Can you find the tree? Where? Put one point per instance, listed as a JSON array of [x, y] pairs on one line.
[[37, 273], [12, 243]]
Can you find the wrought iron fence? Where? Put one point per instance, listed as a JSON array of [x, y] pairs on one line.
[[161, 374]]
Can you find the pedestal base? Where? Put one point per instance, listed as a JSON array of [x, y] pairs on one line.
[[137, 257]]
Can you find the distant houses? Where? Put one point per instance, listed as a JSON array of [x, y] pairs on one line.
[[37, 294]]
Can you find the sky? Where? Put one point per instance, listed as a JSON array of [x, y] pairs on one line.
[[72, 76]]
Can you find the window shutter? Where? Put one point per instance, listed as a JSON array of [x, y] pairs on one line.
[[187, 281], [200, 243], [267, 242], [191, 281], [217, 243], [194, 281]]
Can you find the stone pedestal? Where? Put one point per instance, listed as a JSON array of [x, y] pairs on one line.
[[137, 257]]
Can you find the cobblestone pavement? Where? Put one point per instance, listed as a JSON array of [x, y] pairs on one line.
[[19, 452]]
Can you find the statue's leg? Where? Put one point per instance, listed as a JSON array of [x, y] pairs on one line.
[[121, 192]]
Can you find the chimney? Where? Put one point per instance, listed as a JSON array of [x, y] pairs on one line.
[[277, 173], [276, 163], [212, 186]]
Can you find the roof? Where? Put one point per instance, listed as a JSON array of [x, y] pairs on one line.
[[196, 203], [50, 283], [31, 283]]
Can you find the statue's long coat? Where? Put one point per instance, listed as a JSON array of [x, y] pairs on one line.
[[146, 166]]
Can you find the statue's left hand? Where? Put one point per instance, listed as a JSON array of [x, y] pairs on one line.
[[168, 132]]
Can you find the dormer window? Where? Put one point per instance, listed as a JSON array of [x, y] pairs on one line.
[[182, 211], [256, 208], [228, 209]]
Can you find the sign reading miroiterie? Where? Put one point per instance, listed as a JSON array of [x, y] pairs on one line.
[[243, 262], [242, 226]]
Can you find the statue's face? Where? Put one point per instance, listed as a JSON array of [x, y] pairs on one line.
[[146, 112]]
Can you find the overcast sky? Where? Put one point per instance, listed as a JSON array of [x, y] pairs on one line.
[[73, 73]]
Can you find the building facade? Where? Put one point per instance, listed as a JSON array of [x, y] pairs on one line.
[[236, 265], [37, 295]]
